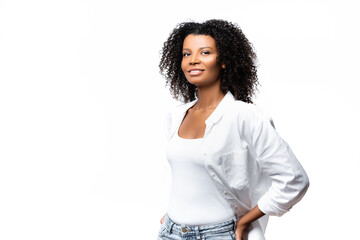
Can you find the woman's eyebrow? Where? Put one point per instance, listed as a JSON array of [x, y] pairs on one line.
[[200, 48]]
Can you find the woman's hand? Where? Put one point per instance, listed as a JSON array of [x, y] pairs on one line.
[[242, 226], [162, 219], [241, 231]]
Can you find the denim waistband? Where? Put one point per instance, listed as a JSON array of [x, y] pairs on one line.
[[188, 230]]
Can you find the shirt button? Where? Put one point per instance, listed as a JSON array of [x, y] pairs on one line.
[[225, 192]]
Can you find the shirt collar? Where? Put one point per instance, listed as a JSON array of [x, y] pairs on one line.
[[214, 117]]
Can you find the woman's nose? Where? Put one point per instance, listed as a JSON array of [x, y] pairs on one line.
[[194, 60]]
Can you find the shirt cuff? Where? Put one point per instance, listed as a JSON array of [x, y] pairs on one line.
[[266, 205]]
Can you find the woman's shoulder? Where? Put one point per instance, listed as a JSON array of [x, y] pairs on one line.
[[242, 107], [249, 112], [179, 108]]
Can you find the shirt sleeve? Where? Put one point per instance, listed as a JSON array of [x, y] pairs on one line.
[[276, 160]]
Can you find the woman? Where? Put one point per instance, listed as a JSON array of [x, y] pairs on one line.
[[230, 168]]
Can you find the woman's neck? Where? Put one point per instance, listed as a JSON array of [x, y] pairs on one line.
[[208, 97]]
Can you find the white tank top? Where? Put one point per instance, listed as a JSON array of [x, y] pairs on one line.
[[194, 199]]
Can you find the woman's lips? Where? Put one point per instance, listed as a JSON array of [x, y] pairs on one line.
[[195, 72]]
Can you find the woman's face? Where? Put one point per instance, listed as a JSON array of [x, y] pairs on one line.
[[199, 62]]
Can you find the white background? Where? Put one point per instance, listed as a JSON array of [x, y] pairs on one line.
[[82, 105]]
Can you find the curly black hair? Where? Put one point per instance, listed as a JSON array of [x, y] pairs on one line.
[[234, 49]]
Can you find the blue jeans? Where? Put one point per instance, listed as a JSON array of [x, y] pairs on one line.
[[217, 231]]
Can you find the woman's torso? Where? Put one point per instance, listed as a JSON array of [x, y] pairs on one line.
[[194, 199]]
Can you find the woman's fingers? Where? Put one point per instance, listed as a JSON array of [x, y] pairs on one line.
[[162, 219], [241, 232]]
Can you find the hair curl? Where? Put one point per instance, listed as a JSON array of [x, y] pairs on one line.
[[234, 49]]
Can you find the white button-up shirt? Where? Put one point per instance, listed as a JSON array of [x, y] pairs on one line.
[[248, 161]]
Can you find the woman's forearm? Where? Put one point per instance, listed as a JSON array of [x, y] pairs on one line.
[[251, 216]]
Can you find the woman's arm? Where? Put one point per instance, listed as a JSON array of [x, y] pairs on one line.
[[276, 160], [289, 181]]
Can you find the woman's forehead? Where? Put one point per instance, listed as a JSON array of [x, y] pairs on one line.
[[199, 41]]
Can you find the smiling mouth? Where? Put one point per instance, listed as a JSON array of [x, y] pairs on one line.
[[195, 72]]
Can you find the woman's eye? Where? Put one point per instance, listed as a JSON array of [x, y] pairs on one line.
[[206, 52], [186, 54]]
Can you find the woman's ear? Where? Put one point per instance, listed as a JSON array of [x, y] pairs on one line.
[[223, 66]]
